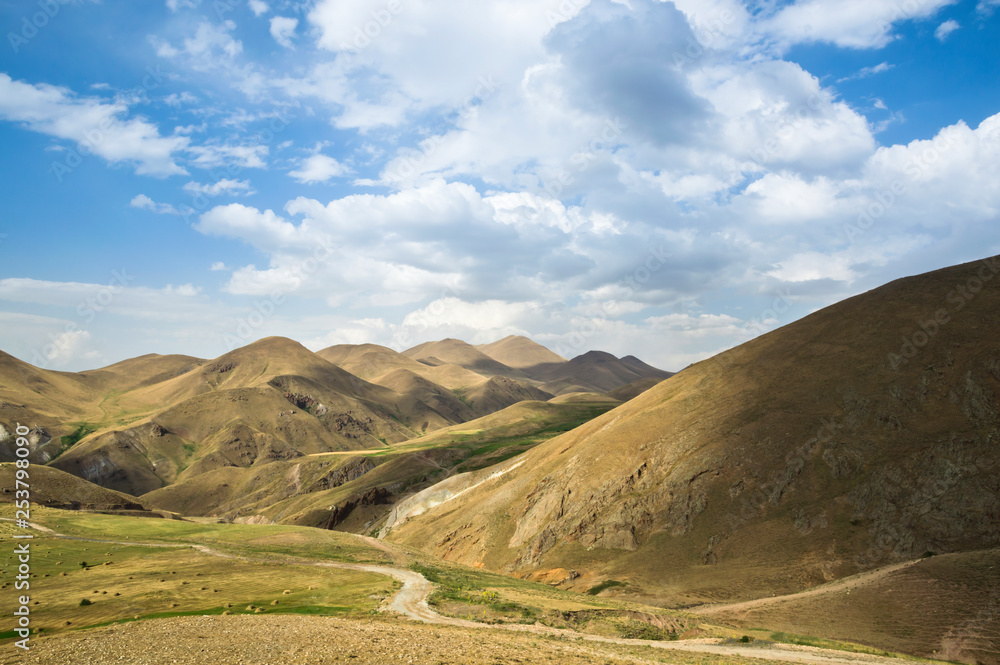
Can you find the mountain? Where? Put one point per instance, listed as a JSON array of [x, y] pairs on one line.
[[520, 352], [634, 389], [271, 400], [861, 435], [594, 371], [374, 363], [272, 424], [457, 352], [56, 489]]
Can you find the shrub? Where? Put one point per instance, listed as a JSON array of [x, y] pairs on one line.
[[85, 602]]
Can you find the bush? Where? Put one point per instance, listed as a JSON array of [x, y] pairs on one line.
[[746, 639], [85, 602]]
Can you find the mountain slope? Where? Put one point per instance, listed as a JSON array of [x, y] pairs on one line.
[[520, 352], [807, 454], [457, 352], [376, 363], [594, 371], [271, 400]]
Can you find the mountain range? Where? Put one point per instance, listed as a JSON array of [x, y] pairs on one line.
[[274, 421], [853, 451]]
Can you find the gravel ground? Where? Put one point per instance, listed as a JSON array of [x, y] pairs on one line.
[[293, 640]]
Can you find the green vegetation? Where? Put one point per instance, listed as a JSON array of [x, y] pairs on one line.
[[160, 575], [462, 395], [82, 430]]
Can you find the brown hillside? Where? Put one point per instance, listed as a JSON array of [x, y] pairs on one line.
[[457, 352], [520, 352], [57, 489], [594, 371], [376, 363], [634, 389], [810, 453]]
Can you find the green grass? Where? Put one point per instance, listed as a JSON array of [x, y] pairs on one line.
[[122, 581]]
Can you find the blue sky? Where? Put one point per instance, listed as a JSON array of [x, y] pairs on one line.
[[655, 178]]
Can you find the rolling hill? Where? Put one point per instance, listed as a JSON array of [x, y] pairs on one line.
[[520, 352], [239, 435], [862, 435]]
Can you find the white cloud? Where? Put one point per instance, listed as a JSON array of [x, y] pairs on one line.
[[262, 229], [174, 5], [987, 7], [71, 347], [858, 24], [788, 199], [318, 168], [218, 266], [118, 296], [143, 202], [211, 47], [212, 155], [866, 72], [221, 186], [92, 124], [283, 29], [258, 7], [945, 29]]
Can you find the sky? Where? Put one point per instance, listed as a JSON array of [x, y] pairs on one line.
[[661, 179]]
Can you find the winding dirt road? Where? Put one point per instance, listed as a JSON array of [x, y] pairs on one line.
[[846, 583], [411, 601]]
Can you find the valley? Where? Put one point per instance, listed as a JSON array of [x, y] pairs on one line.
[[813, 492]]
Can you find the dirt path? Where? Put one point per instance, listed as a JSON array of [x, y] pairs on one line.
[[411, 601], [846, 583]]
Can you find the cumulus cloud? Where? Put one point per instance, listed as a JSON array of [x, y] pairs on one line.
[[143, 202], [318, 168], [258, 7], [94, 125], [857, 24]]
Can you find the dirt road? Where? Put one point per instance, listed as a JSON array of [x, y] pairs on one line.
[[411, 601], [844, 584]]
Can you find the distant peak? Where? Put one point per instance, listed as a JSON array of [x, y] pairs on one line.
[[595, 357]]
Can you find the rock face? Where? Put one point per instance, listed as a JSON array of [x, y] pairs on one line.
[[858, 436]]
